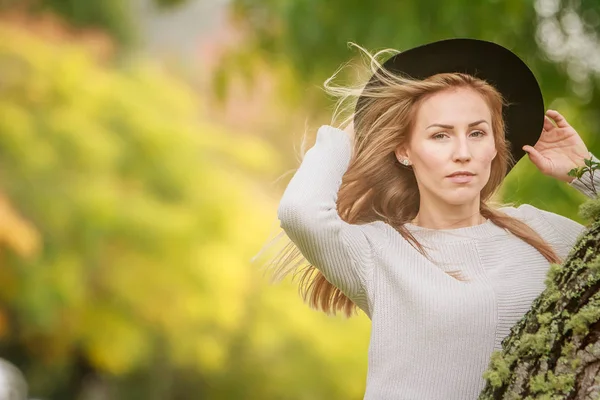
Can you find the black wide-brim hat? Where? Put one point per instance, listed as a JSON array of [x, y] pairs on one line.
[[500, 67]]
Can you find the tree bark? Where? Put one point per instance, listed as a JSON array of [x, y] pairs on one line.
[[554, 351]]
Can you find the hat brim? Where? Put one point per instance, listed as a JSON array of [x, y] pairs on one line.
[[524, 114]]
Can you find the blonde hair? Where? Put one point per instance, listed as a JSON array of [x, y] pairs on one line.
[[376, 187]]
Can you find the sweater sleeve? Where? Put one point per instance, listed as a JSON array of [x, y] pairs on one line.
[[308, 214]]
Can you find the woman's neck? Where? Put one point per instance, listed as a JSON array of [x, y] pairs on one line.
[[448, 217]]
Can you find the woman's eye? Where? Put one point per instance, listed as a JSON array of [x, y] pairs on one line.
[[439, 136], [479, 133]]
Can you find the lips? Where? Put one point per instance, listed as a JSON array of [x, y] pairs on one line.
[[460, 178], [461, 173]]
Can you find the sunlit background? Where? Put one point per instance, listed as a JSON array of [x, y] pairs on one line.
[[144, 145]]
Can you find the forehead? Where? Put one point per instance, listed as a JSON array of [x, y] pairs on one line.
[[453, 106]]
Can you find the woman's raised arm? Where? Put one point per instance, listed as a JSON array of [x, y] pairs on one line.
[[308, 214]]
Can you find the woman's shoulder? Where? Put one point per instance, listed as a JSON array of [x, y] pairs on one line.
[[528, 212], [522, 211], [377, 229], [559, 231], [380, 234], [531, 215], [538, 218]]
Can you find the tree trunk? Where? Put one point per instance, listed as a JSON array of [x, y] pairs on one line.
[[554, 351]]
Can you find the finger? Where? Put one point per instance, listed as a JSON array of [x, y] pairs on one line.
[[561, 121], [536, 157], [528, 149], [548, 124]]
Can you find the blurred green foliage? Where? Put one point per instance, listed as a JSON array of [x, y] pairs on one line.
[[133, 223], [312, 35]]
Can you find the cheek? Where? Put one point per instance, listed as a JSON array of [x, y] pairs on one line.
[[432, 156], [488, 155], [429, 164]]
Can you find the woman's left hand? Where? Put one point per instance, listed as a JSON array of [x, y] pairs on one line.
[[559, 148]]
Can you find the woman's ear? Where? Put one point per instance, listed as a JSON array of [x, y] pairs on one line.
[[402, 155], [400, 152]]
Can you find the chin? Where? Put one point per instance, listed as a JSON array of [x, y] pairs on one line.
[[464, 197]]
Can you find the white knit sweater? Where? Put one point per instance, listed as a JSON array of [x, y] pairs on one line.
[[432, 335]]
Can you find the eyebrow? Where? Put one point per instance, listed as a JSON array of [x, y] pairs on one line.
[[452, 127]]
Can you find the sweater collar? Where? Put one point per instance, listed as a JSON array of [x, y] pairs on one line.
[[486, 229]]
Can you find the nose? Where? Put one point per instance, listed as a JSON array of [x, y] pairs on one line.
[[462, 151]]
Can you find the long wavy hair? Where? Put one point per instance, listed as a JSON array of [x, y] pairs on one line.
[[376, 187]]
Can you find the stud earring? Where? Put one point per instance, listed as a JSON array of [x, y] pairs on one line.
[[405, 162]]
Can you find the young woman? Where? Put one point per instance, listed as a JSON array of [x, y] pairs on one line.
[[393, 214]]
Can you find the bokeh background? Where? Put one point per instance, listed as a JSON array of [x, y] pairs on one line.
[[144, 145]]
